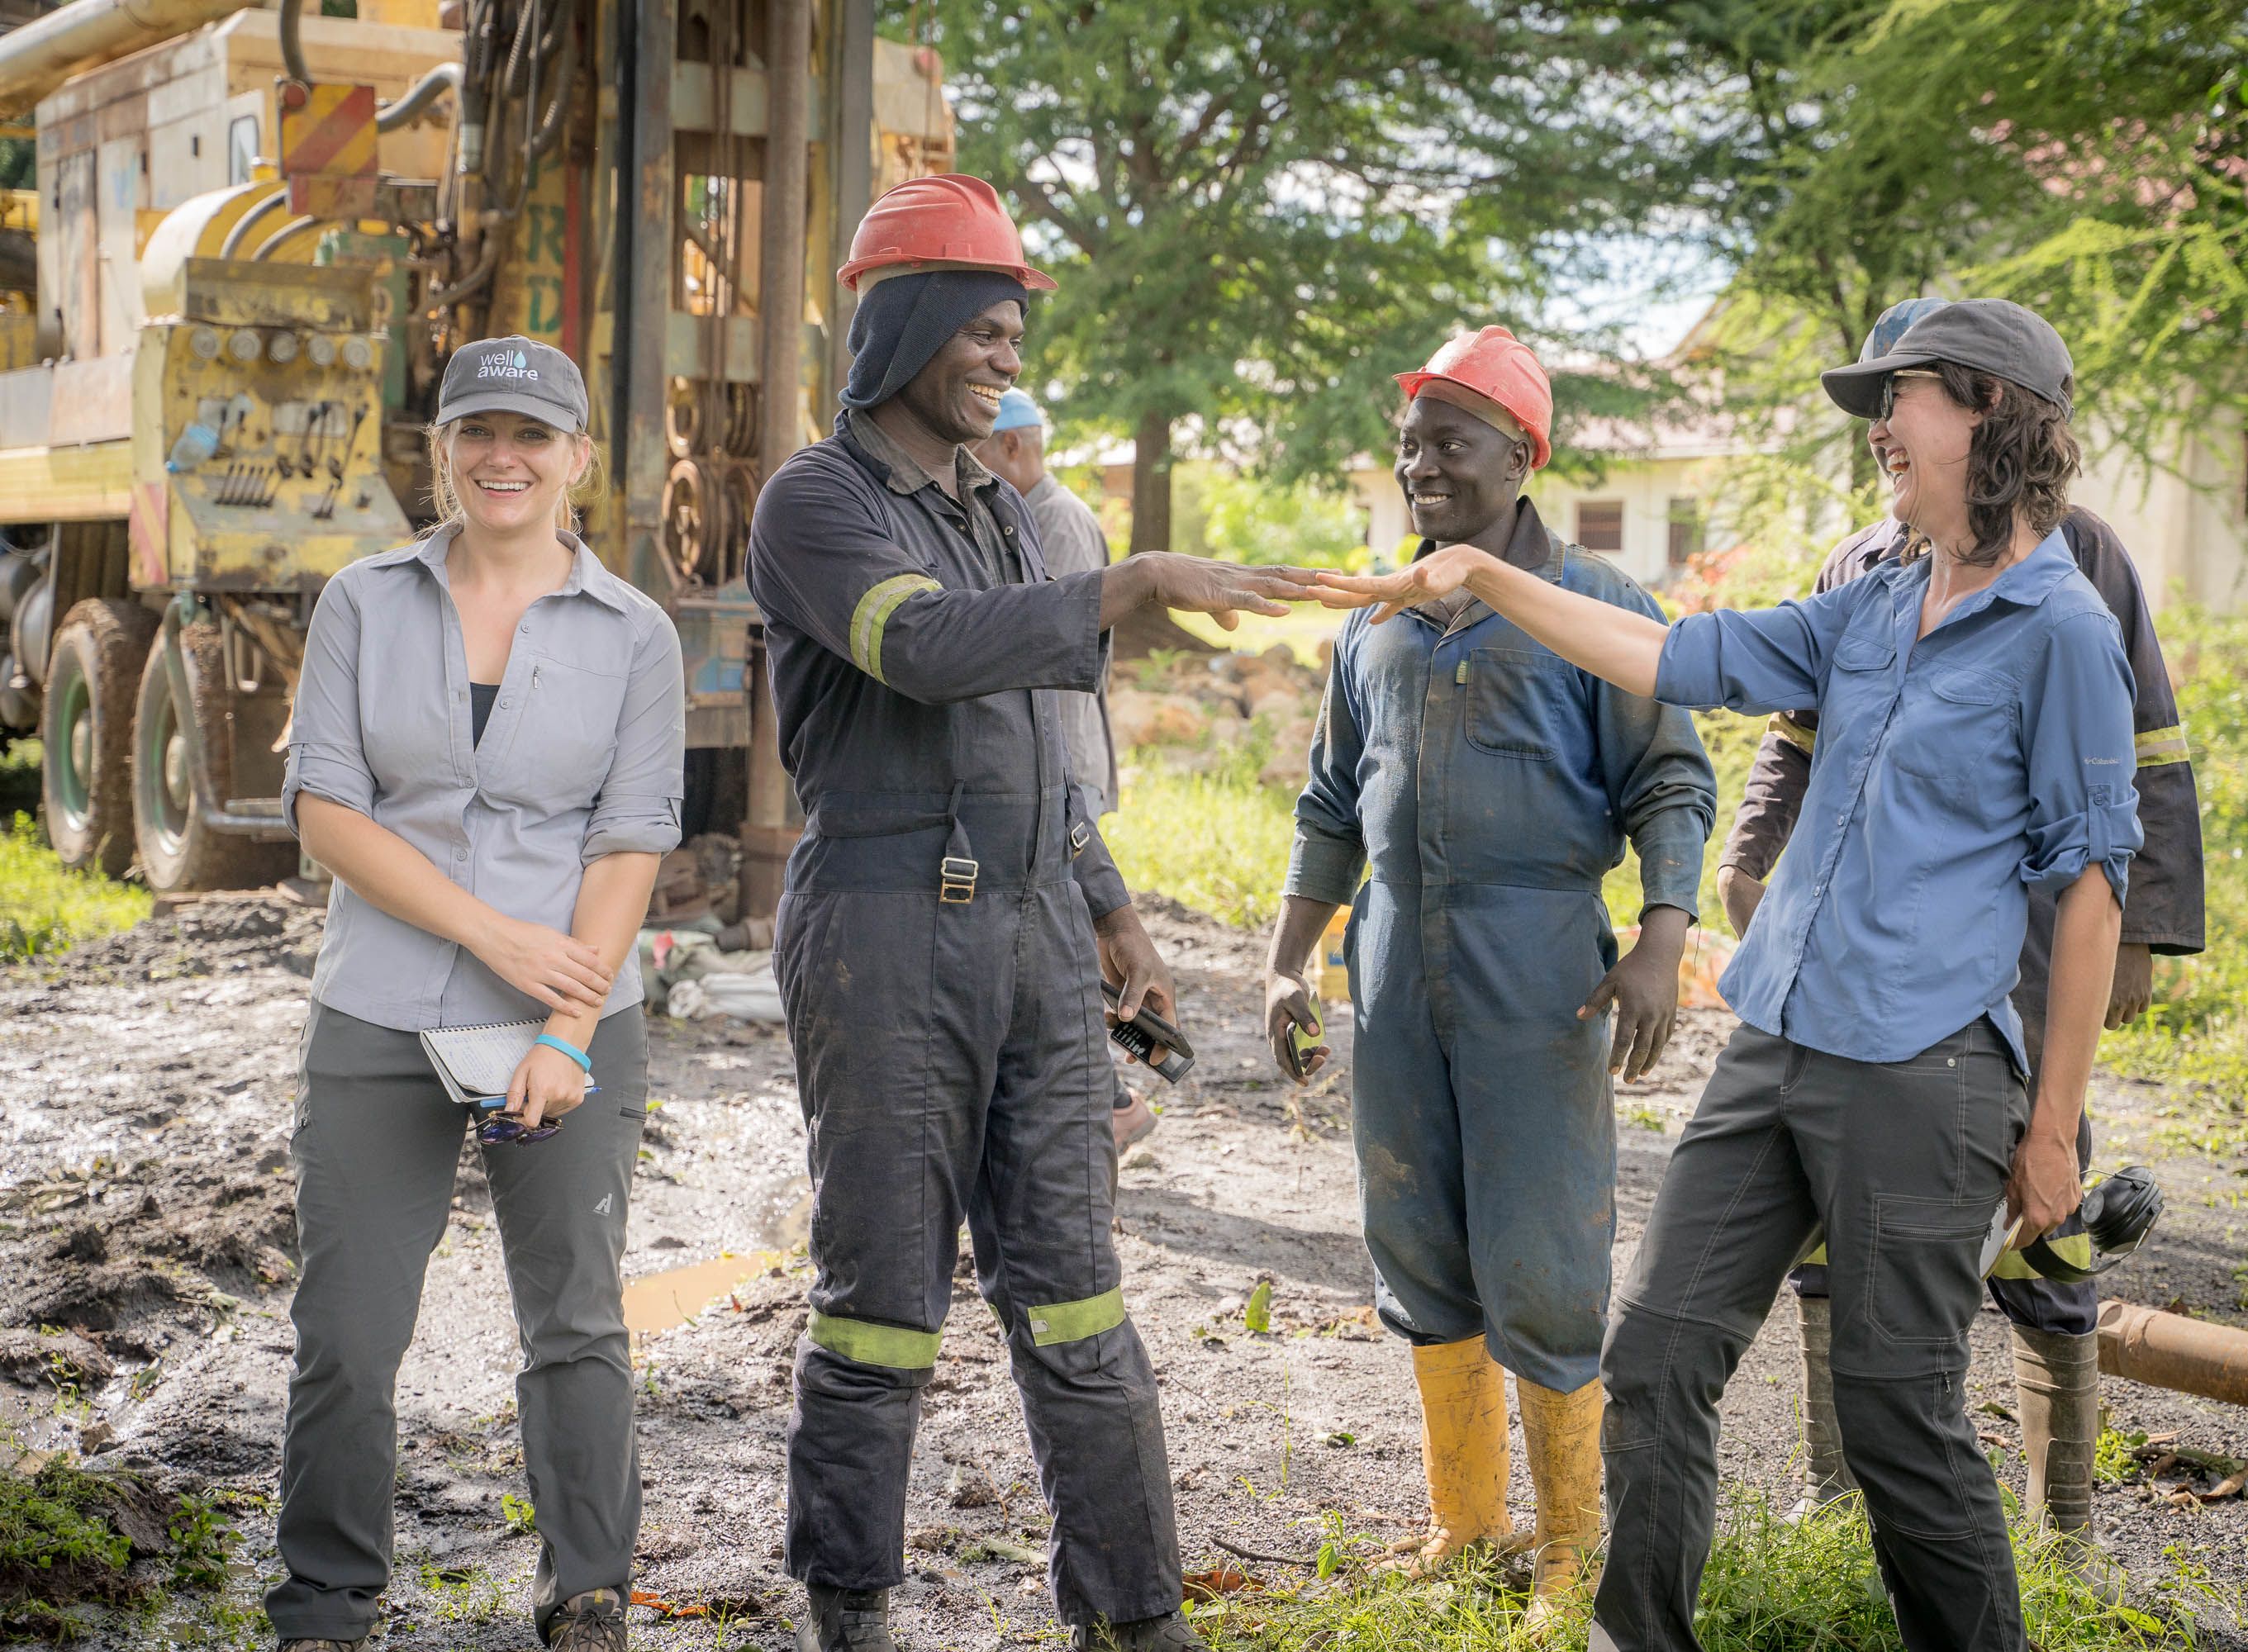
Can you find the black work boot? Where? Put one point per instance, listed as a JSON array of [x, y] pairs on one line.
[[1170, 1632], [846, 1620]]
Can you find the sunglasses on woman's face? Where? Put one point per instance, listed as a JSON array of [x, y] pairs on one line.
[[499, 1131], [1889, 384]]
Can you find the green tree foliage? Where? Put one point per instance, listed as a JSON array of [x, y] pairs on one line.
[[1258, 211], [2084, 157]]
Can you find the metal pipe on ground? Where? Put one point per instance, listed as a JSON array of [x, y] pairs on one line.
[[2173, 1351], [38, 58]]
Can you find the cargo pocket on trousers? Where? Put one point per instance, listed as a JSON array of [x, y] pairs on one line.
[[1922, 1288]]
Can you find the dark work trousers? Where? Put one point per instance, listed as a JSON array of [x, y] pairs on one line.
[[1905, 1164], [376, 1145], [2024, 1296], [952, 1060]]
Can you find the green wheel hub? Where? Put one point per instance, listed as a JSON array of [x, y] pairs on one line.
[[73, 763], [164, 752]]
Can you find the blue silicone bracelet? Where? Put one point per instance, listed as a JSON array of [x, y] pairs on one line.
[[585, 1062]]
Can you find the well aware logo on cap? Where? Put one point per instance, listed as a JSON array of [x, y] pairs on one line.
[[508, 364]]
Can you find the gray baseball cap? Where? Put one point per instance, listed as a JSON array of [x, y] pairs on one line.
[[514, 375], [1990, 335]]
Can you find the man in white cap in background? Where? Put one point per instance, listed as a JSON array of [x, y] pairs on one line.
[[1016, 451]]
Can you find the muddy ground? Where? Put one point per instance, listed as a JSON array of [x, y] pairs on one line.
[[145, 1216]]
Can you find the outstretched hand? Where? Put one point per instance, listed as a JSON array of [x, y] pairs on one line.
[[1222, 590], [1436, 575]]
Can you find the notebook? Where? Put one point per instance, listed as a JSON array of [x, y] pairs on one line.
[[475, 1063]]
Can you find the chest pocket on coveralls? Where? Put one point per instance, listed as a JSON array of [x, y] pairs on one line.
[[1947, 724], [1511, 696]]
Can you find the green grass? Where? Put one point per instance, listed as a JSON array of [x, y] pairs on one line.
[[64, 1552], [1216, 842], [44, 906], [1303, 629], [1770, 1586]]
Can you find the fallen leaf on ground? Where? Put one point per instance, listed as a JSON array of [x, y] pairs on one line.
[[1218, 1580], [2229, 1486]]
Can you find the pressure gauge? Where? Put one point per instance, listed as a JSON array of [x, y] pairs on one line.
[[245, 347], [282, 348], [359, 354], [204, 341], [322, 350]]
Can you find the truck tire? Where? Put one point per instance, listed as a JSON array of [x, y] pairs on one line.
[[86, 728], [178, 851]]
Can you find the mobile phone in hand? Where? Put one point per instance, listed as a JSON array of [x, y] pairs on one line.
[[1144, 1031]]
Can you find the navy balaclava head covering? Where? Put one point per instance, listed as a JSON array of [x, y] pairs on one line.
[[902, 324]]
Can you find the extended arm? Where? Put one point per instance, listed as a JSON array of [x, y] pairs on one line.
[[824, 560]]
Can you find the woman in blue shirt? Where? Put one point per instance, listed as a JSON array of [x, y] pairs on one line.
[[1976, 739]]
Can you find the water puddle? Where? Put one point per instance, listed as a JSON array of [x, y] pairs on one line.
[[659, 1301]]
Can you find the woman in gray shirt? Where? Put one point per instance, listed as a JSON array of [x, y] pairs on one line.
[[487, 753]]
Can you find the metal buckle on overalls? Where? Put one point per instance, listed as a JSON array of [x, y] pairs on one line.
[[1079, 835], [956, 879]]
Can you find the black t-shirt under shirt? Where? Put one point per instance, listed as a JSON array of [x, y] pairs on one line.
[[481, 695]]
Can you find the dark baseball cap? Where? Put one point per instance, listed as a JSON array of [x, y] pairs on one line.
[[514, 375], [1990, 335]]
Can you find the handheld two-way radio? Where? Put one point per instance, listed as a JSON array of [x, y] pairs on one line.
[[1146, 1030]]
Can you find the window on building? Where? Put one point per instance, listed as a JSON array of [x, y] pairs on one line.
[[241, 148], [1600, 525], [1685, 530]]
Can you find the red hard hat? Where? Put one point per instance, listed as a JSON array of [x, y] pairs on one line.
[[950, 221], [1499, 366]]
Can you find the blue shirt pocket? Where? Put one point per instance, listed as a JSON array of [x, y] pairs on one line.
[[1512, 709], [1953, 718]]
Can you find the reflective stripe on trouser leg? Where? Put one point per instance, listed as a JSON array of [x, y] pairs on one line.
[[866, 1343]]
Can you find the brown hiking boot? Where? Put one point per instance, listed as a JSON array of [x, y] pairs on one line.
[[594, 1622]]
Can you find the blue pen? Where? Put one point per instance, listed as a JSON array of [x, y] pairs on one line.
[[488, 1103]]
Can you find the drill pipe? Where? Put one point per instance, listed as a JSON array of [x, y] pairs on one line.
[[2171, 1351]]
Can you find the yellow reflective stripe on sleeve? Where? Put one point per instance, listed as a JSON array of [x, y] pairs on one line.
[[1074, 1322], [2158, 746], [874, 613], [870, 1344], [2075, 1249], [1792, 731]]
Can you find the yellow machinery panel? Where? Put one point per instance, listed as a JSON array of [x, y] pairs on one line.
[[257, 439]]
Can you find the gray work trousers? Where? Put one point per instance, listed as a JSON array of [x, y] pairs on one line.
[[376, 1145], [1904, 1163], [952, 1062]]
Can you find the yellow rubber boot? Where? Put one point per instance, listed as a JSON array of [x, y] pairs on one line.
[[1561, 1435], [1462, 1453]]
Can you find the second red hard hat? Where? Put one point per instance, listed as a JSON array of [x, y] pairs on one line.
[[1495, 365], [948, 221]]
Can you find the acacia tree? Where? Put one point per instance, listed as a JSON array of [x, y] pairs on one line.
[[1258, 211], [2084, 157]]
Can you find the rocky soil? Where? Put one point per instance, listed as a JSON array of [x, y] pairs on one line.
[[146, 1224]]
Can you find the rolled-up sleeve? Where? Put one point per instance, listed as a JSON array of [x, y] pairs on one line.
[[328, 756], [637, 809], [2076, 737], [1659, 782], [1328, 856], [1757, 659]]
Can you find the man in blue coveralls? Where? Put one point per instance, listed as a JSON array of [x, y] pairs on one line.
[[1491, 785]]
